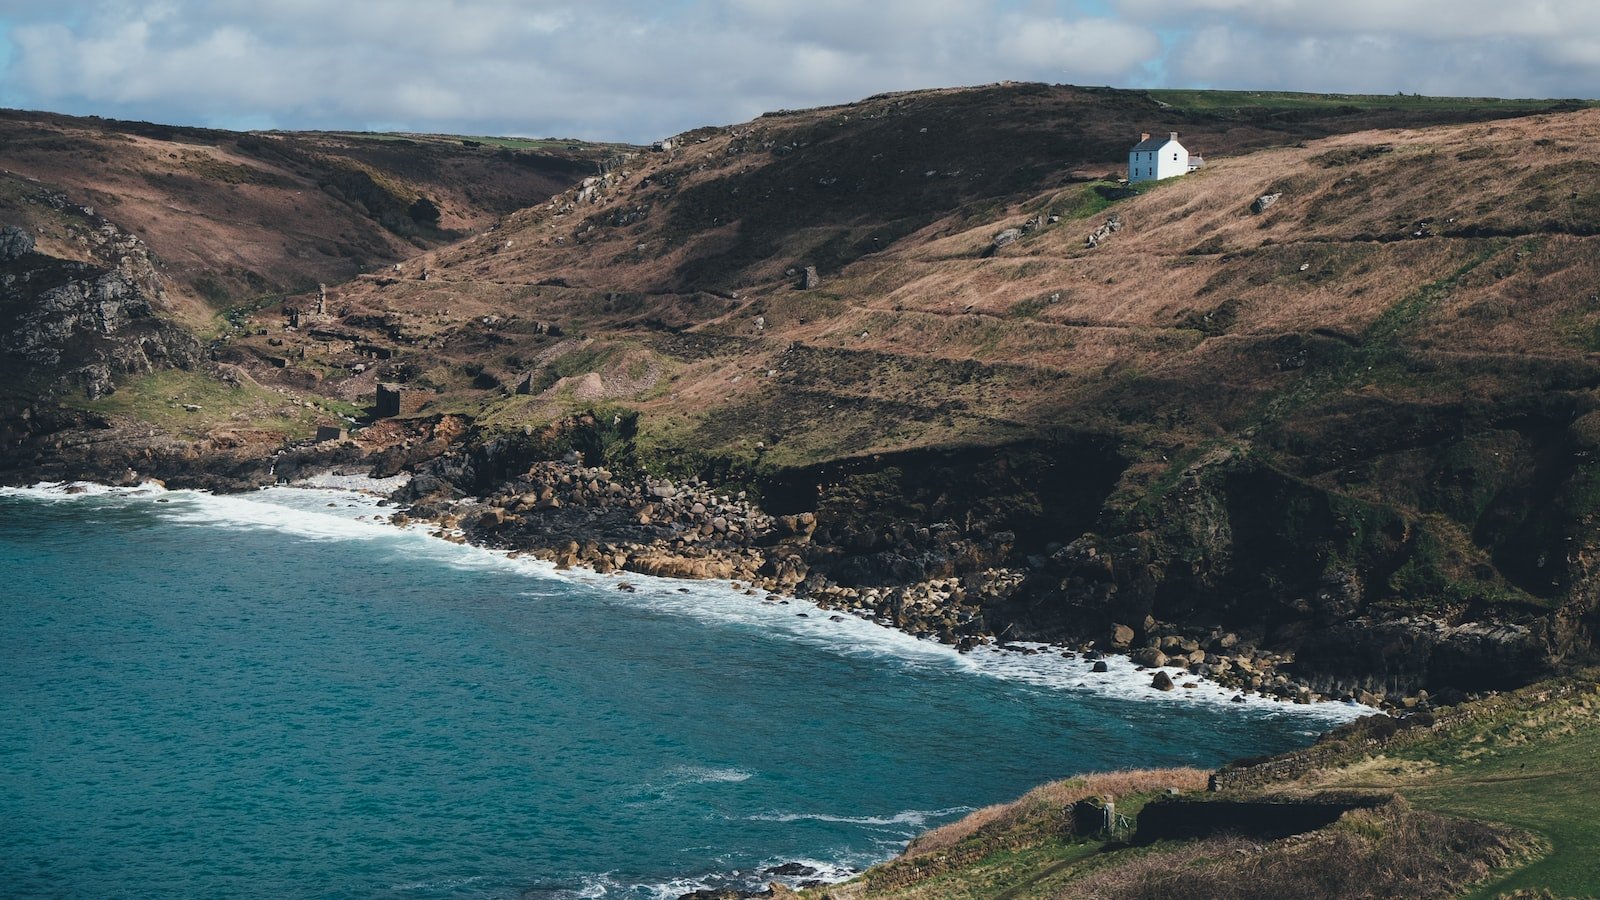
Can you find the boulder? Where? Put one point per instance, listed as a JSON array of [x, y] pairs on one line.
[[1121, 635], [14, 243], [809, 279], [1262, 202], [1162, 682], [1151, 657]]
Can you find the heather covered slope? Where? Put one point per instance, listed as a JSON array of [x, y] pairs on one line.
[[1371, 392], [1356, 424], [234, 216]]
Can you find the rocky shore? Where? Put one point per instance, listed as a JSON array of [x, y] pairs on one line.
[[947, 550], [576, 515]]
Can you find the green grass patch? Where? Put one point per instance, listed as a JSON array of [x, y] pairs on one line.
[[163, 399], [1097, 196], [1529, 764], [1221, 101]]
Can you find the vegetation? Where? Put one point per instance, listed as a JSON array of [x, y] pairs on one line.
[[1493, 799], [192, 404], [1210, 100]]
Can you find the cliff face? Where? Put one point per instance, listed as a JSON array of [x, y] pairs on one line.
[[78, 325]]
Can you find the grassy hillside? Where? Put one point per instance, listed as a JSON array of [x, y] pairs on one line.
[[1493, 802]]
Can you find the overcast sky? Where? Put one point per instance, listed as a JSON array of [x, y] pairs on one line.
[[635, 70]]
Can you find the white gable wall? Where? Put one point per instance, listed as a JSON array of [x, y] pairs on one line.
[[1166, 161]]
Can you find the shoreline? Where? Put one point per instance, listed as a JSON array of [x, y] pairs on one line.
[[1030, 663], [855, 546], [1113, 675], [571, 516]]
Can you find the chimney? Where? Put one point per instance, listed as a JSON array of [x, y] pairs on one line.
[[1144, 136], [1173, 135]]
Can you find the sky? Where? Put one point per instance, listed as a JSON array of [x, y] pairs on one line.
[[637, 70]]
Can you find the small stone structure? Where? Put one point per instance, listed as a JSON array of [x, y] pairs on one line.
[[331, 433], [1096, 815], [397, 400], [1262, 819]]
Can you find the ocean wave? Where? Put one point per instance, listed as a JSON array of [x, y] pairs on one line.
[[911, 817], [58, 491], [669, 784], [755, 878], [701, 775]]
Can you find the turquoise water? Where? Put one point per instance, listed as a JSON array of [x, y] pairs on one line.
[[270, 695]]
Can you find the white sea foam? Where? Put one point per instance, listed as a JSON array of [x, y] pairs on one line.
[[57, 491], [443, 883], [915, 818], [337, 514], [607, 885], [852, 635], [703, 775]]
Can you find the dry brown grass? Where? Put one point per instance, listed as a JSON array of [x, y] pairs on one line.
[[1050, 799], [1391, 851]]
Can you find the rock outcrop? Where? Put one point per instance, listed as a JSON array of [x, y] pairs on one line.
[[82, 325]]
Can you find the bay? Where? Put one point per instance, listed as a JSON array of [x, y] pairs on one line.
[[278, 694]]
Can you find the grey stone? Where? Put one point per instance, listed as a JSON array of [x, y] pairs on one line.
[[1006, 237], [14, 243]]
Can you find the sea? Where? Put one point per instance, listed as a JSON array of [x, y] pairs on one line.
[[281, 694]]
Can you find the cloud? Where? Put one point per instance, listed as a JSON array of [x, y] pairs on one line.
[[1087, 48], [1431, 19], [1548, 48], [640, 69]]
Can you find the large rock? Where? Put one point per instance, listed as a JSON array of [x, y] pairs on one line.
[[1149, 656], [83, 324], [1262, 202], [1010, 235], [1420, 652], [14, 243]]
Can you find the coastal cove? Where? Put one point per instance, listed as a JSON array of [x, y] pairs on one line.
[[279, 692]]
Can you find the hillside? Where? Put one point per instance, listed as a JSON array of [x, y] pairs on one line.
[[1355, 427], [236, 216], [1481, 800]]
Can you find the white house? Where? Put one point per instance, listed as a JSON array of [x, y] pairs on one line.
[[1153, 159]]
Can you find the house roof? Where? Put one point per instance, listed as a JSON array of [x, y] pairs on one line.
[[1154, 143]]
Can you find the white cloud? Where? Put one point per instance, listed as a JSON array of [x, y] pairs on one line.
[[637, 69], [1090, 48], [1434, 19]]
